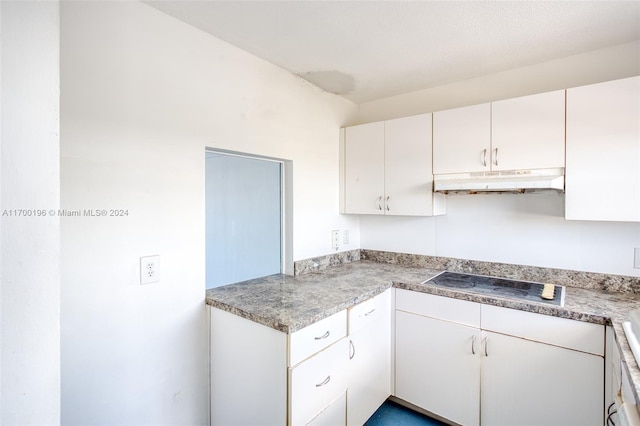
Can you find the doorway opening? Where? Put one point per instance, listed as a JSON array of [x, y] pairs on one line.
[[247, 214]]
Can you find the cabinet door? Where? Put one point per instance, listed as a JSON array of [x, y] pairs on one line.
[[612, 376], [438, 367], [364, 169], [248, 372], [530, 383], [369, 361], [603, 151], [408, 165], [528, 132], [462, 139]]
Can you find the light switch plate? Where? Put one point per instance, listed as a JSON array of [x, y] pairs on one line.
[[636, 257], [149, 269]]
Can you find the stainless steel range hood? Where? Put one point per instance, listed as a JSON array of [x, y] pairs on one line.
[[502, 181]]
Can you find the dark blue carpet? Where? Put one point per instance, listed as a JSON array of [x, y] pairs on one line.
[[392, 414]]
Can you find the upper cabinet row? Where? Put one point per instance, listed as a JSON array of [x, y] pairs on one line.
[[387, 167], [514, 134]]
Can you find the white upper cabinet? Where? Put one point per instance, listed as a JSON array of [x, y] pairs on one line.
[[388, 168], [514, 134], [603, 151], [462, 140], [528, 132], [364, 168]]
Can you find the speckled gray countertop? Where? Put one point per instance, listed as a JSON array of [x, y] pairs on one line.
[[290, 303]]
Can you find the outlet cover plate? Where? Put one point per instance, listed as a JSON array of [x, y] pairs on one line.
[[636, 258], [149, 269], [335, 239]]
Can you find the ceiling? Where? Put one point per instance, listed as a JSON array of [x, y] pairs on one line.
[[367, 50]]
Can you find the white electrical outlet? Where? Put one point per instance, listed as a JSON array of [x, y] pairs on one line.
[[345, 236], [149, 269], [636, 258], [335, 239]]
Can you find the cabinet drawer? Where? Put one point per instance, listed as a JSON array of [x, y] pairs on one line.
[[315, 383], [369, 311], [571, 334], [317, 336], [444, 308]]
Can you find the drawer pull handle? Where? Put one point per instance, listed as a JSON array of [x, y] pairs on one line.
[[324, 336], [370, 312], [324, 382], [352, 349], [484, 157], [486, 346], [473, 345]]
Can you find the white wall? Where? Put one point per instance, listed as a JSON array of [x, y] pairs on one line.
[[524, 229], [142, 96], [30, 256]]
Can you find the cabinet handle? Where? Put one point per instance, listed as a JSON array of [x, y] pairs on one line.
[[610, 414], [352, 349], [473, 345], [387, 203], [495, 156], [370, 312], [484, 157], [324, 336], [486, 346], [380, 202], [324, 382]]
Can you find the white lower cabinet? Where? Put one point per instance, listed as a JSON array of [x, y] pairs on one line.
[[436, 368], [337, 367], [531, 383], [470, 363], [510, 368], [261, 376], [369, 358]]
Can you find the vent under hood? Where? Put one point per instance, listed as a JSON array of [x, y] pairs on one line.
[[502, 181]]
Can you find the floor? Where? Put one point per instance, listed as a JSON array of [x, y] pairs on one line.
[[392, 414]]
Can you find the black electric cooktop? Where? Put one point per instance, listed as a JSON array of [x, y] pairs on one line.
[[500, 287]]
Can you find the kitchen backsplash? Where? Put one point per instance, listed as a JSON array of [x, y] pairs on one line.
[[569, 278], [323, 262]]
